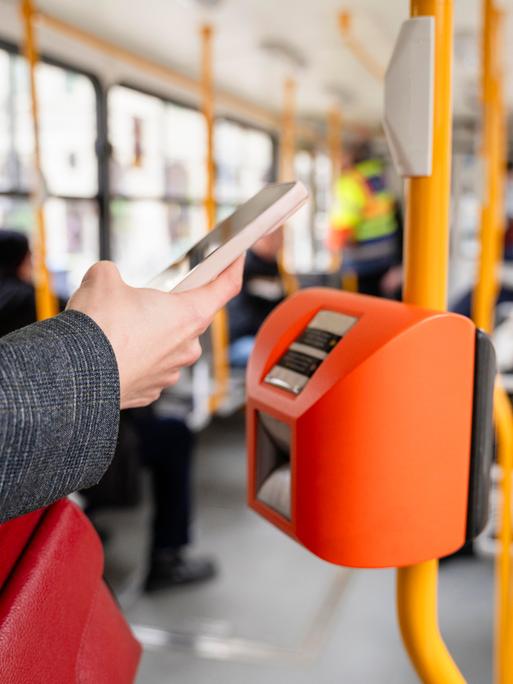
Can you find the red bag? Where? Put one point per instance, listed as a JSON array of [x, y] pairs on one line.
[[58, 621]]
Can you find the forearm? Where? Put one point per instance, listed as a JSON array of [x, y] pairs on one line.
[[59, 411]]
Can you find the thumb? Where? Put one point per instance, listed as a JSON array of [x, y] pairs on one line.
[[216, 294]]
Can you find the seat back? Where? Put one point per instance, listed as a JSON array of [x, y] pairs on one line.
[[58, 622], [14, 536]]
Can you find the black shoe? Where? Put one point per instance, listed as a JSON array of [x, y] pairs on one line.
[[173, 569]]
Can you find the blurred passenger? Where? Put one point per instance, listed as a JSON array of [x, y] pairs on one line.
[[262, 290], [364, 225], [166, 449], [17, 296]]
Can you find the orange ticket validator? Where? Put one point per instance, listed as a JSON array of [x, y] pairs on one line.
[[370, 428]]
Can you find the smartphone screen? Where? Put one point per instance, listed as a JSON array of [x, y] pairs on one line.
[[222, 233]]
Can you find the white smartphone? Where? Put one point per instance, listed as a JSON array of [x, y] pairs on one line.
[[259, 216]]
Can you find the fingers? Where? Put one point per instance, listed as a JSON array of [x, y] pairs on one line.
[[203, 302]]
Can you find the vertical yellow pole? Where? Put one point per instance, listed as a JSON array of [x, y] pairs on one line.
[[208, 112], [288, 132], [334, 145], [286, 163], [335, 141], [503, 665], [219, 328], [492, 241], [427, 206], [349, 281], [492, 152], [46, 302], [426, 266]]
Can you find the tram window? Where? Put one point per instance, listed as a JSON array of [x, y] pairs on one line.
[[159, 177], [72, 235], [305, 248], [185, 149], [16, 214], [158, 148], [244, 161], [67, 103], [6, 141], [147, 235], [67, 109], [158, 181], [298, 243], [136, 126], [323, 186]]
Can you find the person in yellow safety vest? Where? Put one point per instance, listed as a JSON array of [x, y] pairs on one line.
[[365, 227]]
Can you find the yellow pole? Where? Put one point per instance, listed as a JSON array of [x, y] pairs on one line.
[[286, 164], [426, 266], [208, 112], [357, 47], [219, 328], [493, 144], [503, 571], [288, 132], [228, 101], [349, 280], [46, 302], [334, 140], [334, 145], [483, 308]]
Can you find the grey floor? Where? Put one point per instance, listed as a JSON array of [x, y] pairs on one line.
[[276, 614]]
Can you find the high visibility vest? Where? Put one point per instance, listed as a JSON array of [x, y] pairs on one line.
[[362, 205]]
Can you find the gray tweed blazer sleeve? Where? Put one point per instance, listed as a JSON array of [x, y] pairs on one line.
[[59, 411]]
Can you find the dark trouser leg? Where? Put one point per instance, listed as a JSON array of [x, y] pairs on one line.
[[167, 445], [370, 283]]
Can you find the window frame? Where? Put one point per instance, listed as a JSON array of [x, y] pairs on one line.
[[165, 199], [103, 148], [102, 152], [188, 104], [273, 135]]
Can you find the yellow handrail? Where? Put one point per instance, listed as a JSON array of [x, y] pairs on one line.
[[334, 140], [46, 301], [227, 101], [219, 328], [286, 166], [493, 150], [334, 145], [504, 592], [358, 49], [483, 307], [426, 267]]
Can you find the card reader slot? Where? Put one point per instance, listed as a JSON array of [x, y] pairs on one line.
[[273, 463]]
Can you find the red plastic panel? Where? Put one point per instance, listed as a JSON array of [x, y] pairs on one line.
[[57, 622]]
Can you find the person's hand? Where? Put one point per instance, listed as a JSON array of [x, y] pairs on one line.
[[268, 247], [153, 334], [392, 281]]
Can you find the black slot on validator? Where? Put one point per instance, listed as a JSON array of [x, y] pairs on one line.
[[272, 459], [481, 454]]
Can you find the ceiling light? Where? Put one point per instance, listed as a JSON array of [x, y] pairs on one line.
[[341, 93], [284, 51]]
